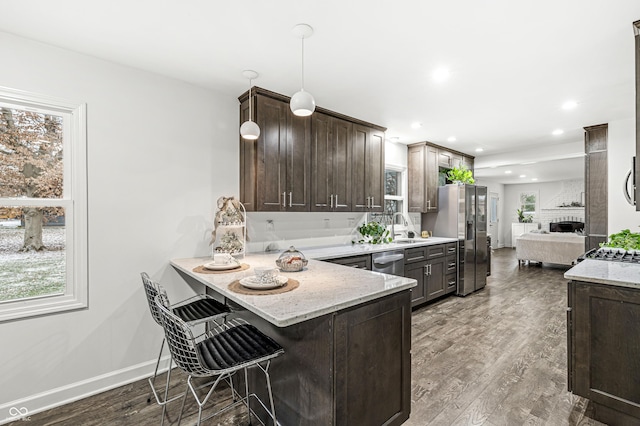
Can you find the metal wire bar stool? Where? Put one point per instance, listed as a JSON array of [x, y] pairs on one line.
[[219, 353], [193, 311]]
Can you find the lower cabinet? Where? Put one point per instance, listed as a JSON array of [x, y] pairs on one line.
[[434, 268], [604, 350]]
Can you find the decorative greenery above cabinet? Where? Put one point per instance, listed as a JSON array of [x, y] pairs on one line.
[[325, 162]]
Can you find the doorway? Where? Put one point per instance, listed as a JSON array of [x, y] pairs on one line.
[[494, 220]]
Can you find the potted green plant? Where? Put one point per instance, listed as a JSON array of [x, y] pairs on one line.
[[522, 218], [461, 175], [373, 233]]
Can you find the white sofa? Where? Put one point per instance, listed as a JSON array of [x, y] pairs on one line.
[[555, 247]]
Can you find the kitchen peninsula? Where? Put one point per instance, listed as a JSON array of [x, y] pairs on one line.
[[603, 335], [346, 334]]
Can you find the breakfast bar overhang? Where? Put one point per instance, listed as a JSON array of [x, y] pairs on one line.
[[346, 335]]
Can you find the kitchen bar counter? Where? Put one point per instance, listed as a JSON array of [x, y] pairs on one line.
[[619, 274], [324, 288]]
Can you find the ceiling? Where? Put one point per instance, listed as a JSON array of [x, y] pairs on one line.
[[511, 64]]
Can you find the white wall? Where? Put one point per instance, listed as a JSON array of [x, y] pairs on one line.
[[160, 152], [551, 194], [620, 150]]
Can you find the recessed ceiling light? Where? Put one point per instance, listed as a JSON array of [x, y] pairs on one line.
[[416, 125], [451, 139], [440, 75], [507, 172], [479, 149], [534, 179], [523, 176], [569, 105], [394, 138], [557, 132]]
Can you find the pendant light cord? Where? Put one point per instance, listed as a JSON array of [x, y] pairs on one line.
[[250, 100], [302, 63]]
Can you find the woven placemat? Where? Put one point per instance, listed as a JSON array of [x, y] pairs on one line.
[[236, 287], [202, 270]]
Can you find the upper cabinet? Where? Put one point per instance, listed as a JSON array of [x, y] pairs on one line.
[[274, 169], [331, 141], [425, 162], [325, 162], [368, 169]]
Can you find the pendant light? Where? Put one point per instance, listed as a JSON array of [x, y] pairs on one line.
[[250, 129], [302, 103]]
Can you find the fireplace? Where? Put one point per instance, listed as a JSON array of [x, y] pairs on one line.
[[566, 226]]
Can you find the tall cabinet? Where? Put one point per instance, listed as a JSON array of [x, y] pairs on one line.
[[595, 211], [325, 162], [424, 161], [636, 29]]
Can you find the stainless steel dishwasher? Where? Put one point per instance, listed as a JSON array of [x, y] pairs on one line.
[[388, 262]]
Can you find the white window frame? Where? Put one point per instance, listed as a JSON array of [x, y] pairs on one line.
[[403, 190], [537, 195], [74, 201]]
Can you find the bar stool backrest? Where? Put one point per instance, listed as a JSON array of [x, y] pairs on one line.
[[179, 338], [151, 289]]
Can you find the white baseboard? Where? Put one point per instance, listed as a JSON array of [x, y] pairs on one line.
[[25, 407]]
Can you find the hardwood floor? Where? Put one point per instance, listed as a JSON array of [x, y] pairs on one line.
[[495, 357]]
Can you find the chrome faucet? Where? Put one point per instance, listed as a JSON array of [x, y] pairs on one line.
[[393, 224]]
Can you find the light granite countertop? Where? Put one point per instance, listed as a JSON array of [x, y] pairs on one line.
[[324, 288], [620, 274], [332, 252]]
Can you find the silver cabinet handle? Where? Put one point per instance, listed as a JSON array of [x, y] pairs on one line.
[[336, 200], [372, 202], [290, 199], [452, 264], [331, 201], [429, 265], [284, 199], [428, 204], [426, 270]]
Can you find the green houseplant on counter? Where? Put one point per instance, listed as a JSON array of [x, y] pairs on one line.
[[624, 239], [461, 175], [373, 233]]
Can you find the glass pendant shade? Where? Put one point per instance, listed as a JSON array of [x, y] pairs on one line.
[[302, 104], [250, 130]]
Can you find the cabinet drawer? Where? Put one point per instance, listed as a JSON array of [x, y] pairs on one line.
[[451, 264], [360, 262], [452, 248], [416, 254], [436, 251], [452, 282]]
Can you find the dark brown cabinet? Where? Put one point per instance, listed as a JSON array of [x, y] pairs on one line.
[[636, 29], [425, 161], [360, 262], [422, 169], [595, 224], [434, 268], [373, 363], [604, 349], [331, 143], [326, 162], [368, 169], [275, 168]]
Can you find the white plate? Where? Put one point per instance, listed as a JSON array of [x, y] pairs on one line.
[[255, 284], [212, 266]]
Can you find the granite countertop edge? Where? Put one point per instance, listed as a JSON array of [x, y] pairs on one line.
[[619, 274]]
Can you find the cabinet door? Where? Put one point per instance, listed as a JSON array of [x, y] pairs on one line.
[[431, 174], [418, 272], [445, 159], [271, 173], [373, 382], [416, 191], [321, 163], [375, 167], [298, 160], [517, 229], [248, 163], [342, 137], [468, 161], [605, 351], [358, 262], [436, 284], [452, 283], [367, 169]]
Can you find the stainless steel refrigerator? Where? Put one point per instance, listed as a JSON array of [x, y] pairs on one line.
[[462, 214]]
